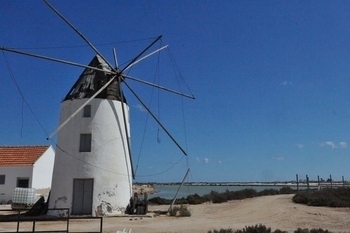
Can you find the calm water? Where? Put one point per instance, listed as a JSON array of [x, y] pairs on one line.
[[169, 191]]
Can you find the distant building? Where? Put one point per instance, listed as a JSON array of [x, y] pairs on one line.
[[25, 167]]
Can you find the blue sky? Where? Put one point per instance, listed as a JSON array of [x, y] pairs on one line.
[[271, 81]]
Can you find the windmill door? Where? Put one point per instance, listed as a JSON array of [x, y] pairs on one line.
[[82, 196]]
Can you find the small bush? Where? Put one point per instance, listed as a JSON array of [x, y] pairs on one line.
[[173, 211], [181, 211], [159, 201], [300, 198], [222, 231], [319, 231], [299, 230], [279, 231], [267, 192], [263, 229], [184, 211], [339, 197], [286, 190], [195, 199], [256, 229], [218, 197]]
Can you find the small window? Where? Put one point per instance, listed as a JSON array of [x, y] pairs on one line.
[[2, 179], [87, 111], [23, 182], [85, 143]]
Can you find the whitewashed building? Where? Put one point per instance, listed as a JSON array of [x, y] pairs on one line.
[[25, 167], [92, 170]]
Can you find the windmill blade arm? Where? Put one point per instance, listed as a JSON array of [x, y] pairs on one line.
[[158, 86], [140, 54], [80, 108], [77, 31], [124, 118], [148, 55], [156, 119], [54, 59], [115, 58], [91, 45]]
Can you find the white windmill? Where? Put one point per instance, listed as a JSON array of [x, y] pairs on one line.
[[93, 169]]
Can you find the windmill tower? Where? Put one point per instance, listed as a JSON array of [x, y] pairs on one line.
[[93, 169]]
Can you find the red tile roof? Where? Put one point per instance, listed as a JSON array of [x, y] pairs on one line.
[[11, 156]]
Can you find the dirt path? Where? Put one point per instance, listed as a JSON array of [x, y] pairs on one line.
[[277, 212]]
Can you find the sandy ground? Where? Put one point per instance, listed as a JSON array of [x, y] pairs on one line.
[[277, 212]]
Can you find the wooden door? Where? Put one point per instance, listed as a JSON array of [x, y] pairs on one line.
[[82, 196]]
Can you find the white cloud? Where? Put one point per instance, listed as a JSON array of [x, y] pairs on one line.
[[219, 162], [140, 108], [204, 160], [330, 144], [300, 146], [343, 145], [278, 158], [286, 83]]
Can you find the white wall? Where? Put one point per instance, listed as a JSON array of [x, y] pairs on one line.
[[43, 168], [108, 163], [12, 173]]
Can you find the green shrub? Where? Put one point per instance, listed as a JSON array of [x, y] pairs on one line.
[[182, 211], [159, 201], [173, 211], [286, 190], [218, 197], [256, 229], [263, 229], [299, 230], [300, 198], [222, 231], [319, 231], [195, 199], [339, 197], [267, 192], [279, 231]]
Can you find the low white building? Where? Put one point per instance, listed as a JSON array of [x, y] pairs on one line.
[[25, 167]]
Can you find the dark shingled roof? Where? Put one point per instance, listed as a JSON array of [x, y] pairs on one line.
[[90, 81]]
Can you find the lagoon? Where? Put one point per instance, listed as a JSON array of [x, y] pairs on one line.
[[168, 191]]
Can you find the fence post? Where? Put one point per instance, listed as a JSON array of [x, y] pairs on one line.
[[343, 181], [68, 217], [307, 183], [101, 226], [319, 184], [330, 177], [33, 226], [297, 183], [19, 215]]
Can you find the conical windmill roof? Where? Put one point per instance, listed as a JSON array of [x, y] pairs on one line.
[[90, 81]]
